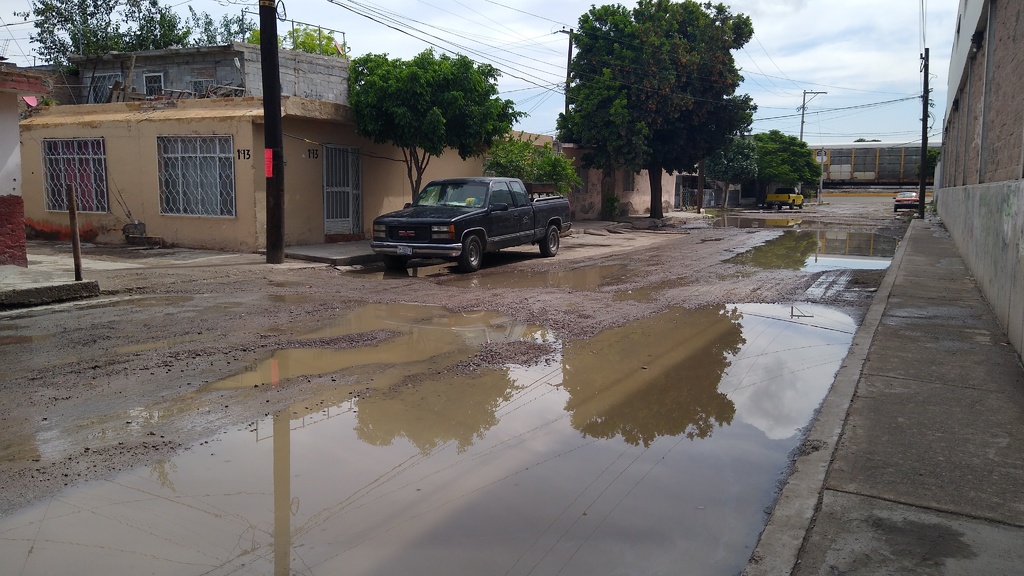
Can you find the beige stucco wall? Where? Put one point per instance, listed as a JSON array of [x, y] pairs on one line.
[[130, 131], [384, 184], [130, 134]]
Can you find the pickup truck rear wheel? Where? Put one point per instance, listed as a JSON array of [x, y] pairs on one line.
[[392, 262], [472, 254], [549, 245]]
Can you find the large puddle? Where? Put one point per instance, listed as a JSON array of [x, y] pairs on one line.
[[651, 448], [821, 250]]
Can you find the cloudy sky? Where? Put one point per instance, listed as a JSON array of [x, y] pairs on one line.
[[864, 53]]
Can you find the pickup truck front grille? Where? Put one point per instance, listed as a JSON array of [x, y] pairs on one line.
[[409, 233]]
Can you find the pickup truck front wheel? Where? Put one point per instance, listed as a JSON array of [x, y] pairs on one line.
[[472, 254], [549, 245]]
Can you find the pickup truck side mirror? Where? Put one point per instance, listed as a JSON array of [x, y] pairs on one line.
[[498, 207]]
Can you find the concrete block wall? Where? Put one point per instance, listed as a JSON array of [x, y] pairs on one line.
[[983, 134], [304, 75], [986, 222]]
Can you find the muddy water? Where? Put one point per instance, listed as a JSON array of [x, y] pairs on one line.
[[588, 278], [820, 250], [652, 448]]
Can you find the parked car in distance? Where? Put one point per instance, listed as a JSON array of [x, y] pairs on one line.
[[784, 197], [459, 219], [904, 200]]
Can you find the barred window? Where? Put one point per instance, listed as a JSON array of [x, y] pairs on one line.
[[197, 175], [154, 84], [200, 86], [78, 165], [99, 87]]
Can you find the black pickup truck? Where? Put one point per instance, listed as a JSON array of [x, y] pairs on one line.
[[460, 219]]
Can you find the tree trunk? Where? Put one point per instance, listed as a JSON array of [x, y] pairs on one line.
[[607, 191], [414, 162], [654, 176], [700, 186]]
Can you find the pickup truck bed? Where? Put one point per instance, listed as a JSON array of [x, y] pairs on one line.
[[460, 219]]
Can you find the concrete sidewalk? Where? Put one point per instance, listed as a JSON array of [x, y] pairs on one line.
[[915, 464]]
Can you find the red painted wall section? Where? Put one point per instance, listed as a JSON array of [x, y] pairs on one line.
[[12, 231], [42, 230]]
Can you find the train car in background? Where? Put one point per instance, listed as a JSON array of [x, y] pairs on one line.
[[870, 164]]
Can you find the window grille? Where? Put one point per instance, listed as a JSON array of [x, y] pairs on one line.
[[154, 84], [199, 87], [78, 165], [99, 87], [197, 175]]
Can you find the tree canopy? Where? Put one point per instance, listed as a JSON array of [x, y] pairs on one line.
[[783, 159], [516, 157], [655, 87], [90, 27], [427, 105], [733, 164], [309, 39]]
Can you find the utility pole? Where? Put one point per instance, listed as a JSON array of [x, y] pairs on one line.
[[924, 137], [568, 76], [803, 110], [273, 155]]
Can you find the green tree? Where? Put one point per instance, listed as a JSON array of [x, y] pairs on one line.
[[427, 105], [208, 32], [515, 157], [785, 160], [314, 41], [930, 162], [93, 27], [734, 164], [64, 27], [866, 140], [655, 87]]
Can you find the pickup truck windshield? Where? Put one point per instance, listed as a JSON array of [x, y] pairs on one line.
[[459, 194]]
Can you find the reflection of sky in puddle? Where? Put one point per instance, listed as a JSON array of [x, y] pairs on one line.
[[820, 250], [647, 448], [823, 263]]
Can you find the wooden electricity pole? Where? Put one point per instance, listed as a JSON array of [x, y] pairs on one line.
[[272, 138], [924, 138]]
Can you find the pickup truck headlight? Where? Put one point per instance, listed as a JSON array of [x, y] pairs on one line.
[[380, 231], [442, 232]]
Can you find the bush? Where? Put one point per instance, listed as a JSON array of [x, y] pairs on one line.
[[514, 157]]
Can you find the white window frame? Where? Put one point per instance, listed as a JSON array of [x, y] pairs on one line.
[[146, 86]]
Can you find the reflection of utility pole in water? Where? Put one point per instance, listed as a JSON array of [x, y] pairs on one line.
[[282, 494]]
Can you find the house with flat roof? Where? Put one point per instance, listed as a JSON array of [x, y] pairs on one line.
[[169, 145]]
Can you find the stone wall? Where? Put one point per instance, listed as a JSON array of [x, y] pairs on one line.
[[986, 222]]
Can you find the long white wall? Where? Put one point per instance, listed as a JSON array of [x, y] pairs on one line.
[[986, 222]]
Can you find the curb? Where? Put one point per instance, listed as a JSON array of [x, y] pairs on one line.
[[40, 294], [778, 548]]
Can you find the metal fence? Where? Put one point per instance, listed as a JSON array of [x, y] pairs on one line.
[[197, 175], [77, 165]]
